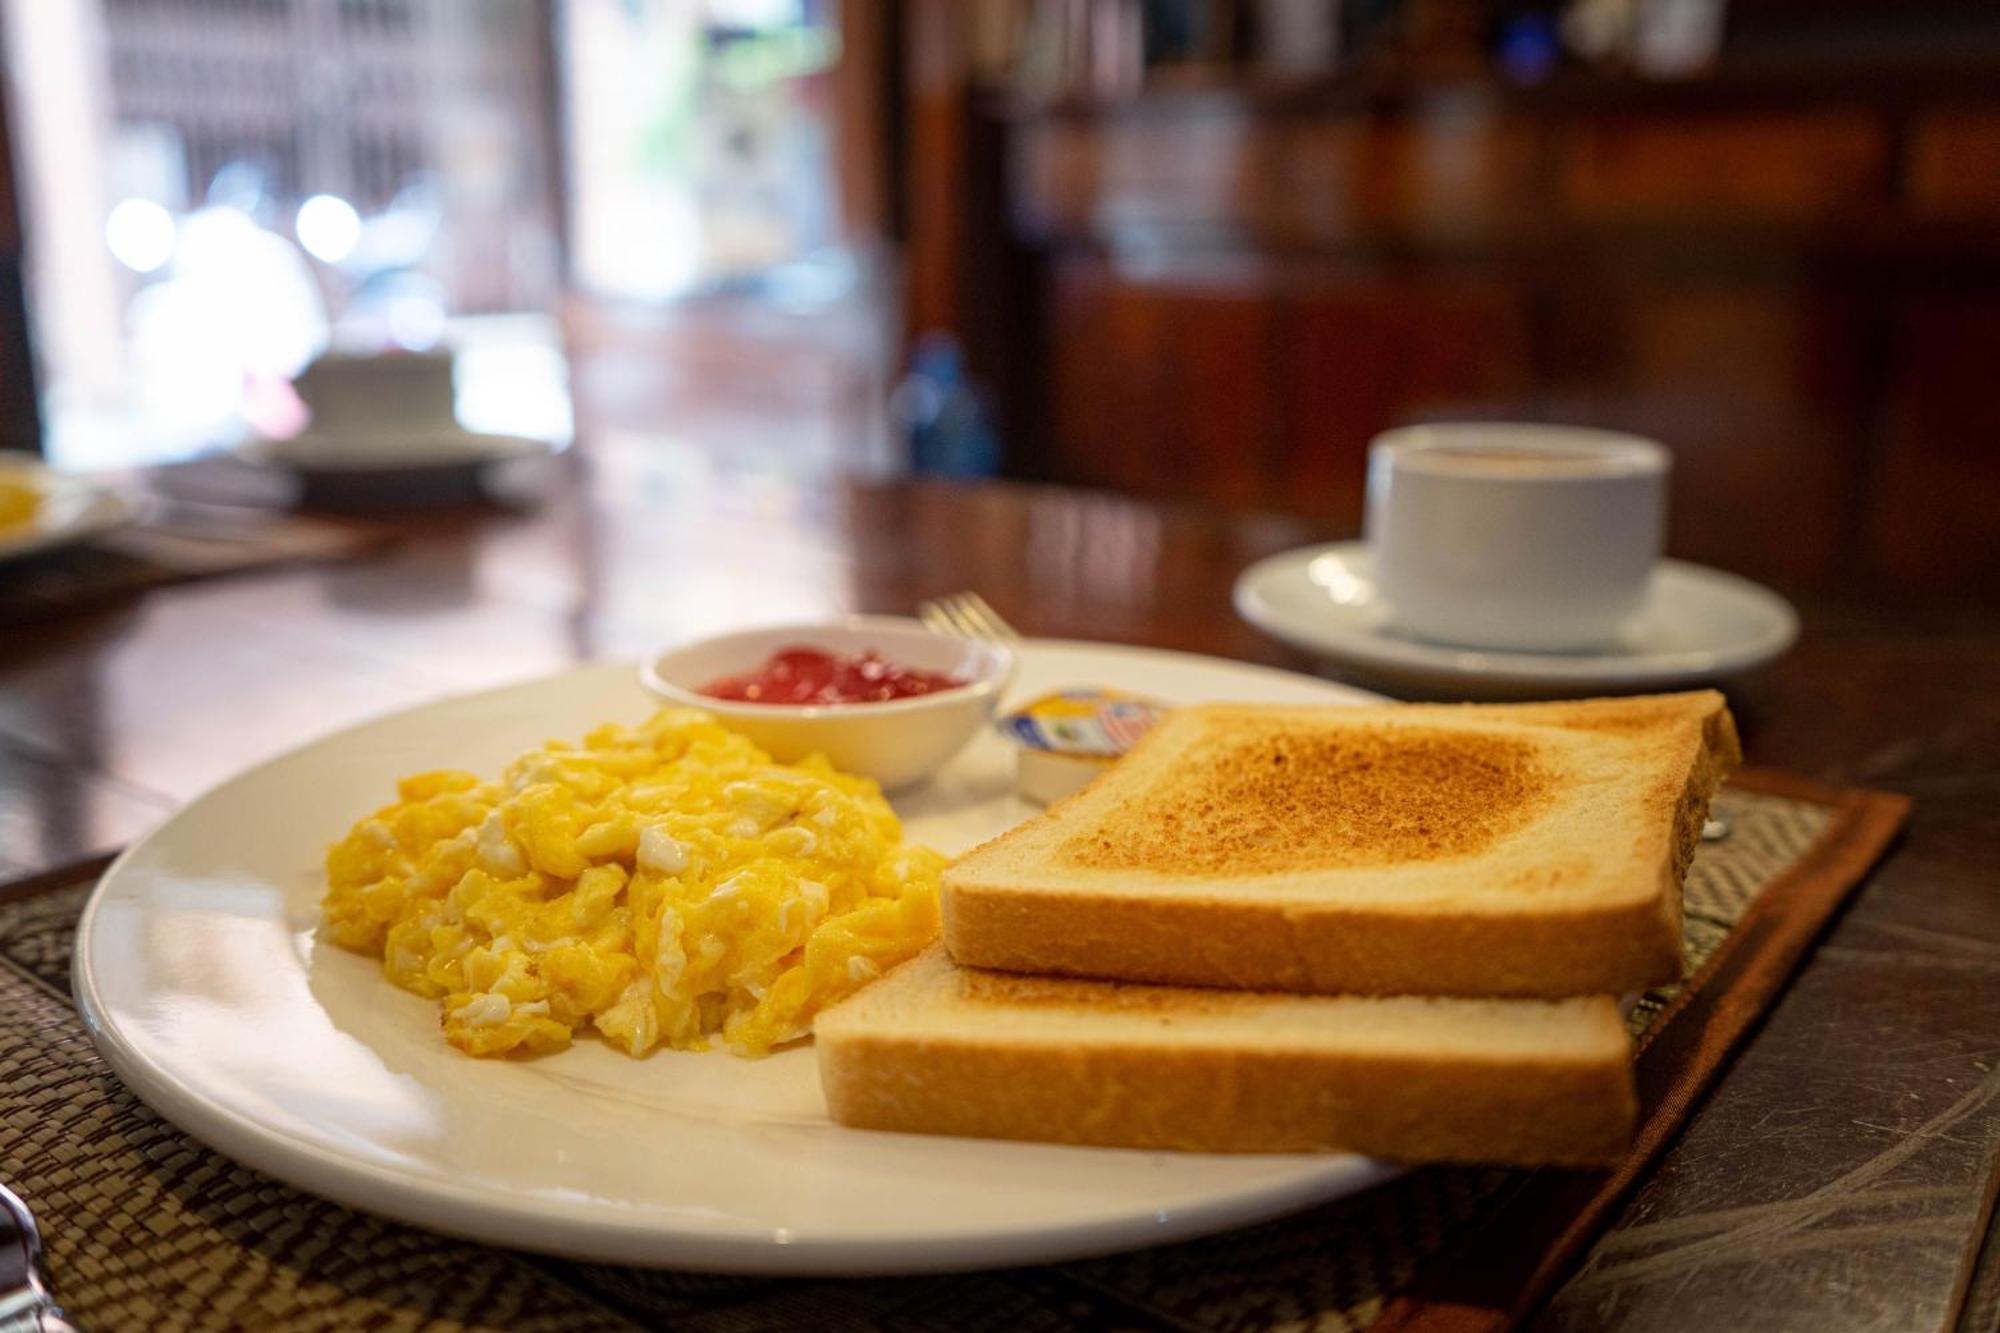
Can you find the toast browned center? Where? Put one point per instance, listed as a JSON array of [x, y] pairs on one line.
[[1497, 850]]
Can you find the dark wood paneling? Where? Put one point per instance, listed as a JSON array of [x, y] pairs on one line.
[[861, 88], [1759, 387], [20, 405], [1954, 163], [1456, 172], [935, 126], [1222, 347], [1370, 354], [1106, 345], [1171, 388], [1764, 167], [1936, 518], [1164, 389]]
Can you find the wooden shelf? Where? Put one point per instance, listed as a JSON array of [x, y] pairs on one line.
[[1743, 83]]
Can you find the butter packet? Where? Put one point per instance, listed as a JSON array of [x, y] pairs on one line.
[[1066, 739]]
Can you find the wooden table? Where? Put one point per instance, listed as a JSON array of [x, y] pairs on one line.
[[1840, 1178]]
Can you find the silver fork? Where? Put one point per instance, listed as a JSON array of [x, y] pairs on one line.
[[25, 1304], [965, 615]]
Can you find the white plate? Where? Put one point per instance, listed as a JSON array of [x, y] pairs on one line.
[[73, 509], [1697, 625], [207, 991]]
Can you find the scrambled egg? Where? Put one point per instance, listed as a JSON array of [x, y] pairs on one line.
[[20, 499], [662, 884]]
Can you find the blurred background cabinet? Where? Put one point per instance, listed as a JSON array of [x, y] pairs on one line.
[[1193, 271]]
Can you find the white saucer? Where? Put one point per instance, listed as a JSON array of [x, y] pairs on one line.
[[1698, 625], [440, 450]]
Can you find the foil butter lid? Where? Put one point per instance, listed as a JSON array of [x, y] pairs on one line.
[[1083, 721], [1066, 739]]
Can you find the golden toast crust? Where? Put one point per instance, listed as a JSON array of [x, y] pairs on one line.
[[938, 1049], [1528, 1113]]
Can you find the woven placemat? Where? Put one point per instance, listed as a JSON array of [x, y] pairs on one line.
[[147, 1229]]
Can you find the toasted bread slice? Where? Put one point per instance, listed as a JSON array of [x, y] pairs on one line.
[[933, 1048], [1506, 850]]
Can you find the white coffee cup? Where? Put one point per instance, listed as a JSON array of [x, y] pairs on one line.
[[1526, 537]]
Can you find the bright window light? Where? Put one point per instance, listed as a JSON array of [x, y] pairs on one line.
[[328, 228], [140, 234]]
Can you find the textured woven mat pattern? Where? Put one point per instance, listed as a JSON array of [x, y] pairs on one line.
[[148, 1230]]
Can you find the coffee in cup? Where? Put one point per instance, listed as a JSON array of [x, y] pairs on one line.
[[1524, 537]]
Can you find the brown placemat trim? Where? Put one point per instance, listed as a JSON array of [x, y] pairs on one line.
[[1798, 787], [1521, 1252]]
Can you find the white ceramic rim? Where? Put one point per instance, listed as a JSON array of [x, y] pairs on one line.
[[1366, 648], [546, 1228], [1598, 454], [440, 1206], [991, 682], [101, 508]]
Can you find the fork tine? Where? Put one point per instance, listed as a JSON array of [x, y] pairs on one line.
[[939, 615], [938, 619], [982, 614], [965, 615], [969, 622], [942, 615]]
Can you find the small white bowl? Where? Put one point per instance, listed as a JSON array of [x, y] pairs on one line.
[[898, 742]]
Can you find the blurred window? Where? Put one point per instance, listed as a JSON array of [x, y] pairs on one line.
[[699, 144], [217, 190]]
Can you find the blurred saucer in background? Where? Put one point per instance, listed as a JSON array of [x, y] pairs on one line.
[[393, 454], [384, 471], [383, 434]]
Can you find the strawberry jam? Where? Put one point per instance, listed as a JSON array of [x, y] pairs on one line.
[[814, 676]]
